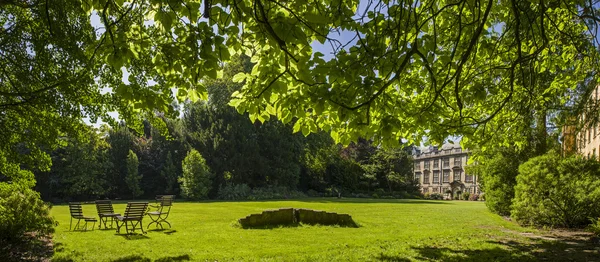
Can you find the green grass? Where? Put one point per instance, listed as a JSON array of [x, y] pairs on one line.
[[390, 230]]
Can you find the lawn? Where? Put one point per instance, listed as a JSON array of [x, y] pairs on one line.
[[390, 230]]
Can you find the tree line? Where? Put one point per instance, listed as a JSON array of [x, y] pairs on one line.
[[236, 156]]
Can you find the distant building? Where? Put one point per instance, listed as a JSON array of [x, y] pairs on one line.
[[440, 170], [585, 140]]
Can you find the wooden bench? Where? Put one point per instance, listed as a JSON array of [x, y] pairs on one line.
[[134, 213], [77, 213], [105, 212]]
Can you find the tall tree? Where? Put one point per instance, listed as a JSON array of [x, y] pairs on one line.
[[121, 140], [196, 178], [169, 173], [133, 177]]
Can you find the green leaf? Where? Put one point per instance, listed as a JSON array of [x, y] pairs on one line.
[[316, 18], [297, 126], [193, 95], [239, 77]]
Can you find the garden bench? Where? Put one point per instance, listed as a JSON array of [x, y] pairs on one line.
[[159, 216], [77, 213], [134, 213], [105, 212]]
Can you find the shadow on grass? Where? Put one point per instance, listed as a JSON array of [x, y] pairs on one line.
[[136, 258], [509, 250], [133, 236], [165, 231]]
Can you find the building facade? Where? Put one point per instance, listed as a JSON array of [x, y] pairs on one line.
[[584, 140], [440, 170]]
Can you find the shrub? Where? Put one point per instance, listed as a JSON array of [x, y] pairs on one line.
[[466, 195], [474, 197], [554, 191], [132, 179], [271, 192], [497, 176], [312, 193], [379, 192], [436, 196], [22, 211], [234, 192], [375, 195], [595, 226], [196, 178], [427, 195]]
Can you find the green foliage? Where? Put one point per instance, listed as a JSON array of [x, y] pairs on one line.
[[455, 67], [121, 141], [133, 177], [466, 196], [554, 191], [234, 192], [196, 179], [273, 192], [169, 173], [22, 211], [497, 172], [79, 169], [595, 226], [436, 196]]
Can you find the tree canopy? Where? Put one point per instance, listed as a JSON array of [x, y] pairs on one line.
[[396, 69]]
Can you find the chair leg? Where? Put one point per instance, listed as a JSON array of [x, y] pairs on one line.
[[119, 227], [70, 223], [142, 227]]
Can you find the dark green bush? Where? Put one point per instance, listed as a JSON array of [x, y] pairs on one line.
[[554, 191], [234, 192], [595, 226], [437, 196], [274, 193], [466, 195], [22, 211], [497, 174]]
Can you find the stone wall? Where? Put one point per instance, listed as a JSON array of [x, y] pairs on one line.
[[292, 216]]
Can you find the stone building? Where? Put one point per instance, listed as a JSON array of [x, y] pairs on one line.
[[440, 170], [583, 136]]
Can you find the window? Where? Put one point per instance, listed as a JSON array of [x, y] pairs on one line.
[[436, 163], [589, 136], [436, 177], [417, 165], [468, 178], [457, 150], [446, 162], [457, 161], [446, 176], [418, 177], [457, 175], [426, 164], [426, 177]]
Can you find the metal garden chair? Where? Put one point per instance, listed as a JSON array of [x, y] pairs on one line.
[[164, 208]]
